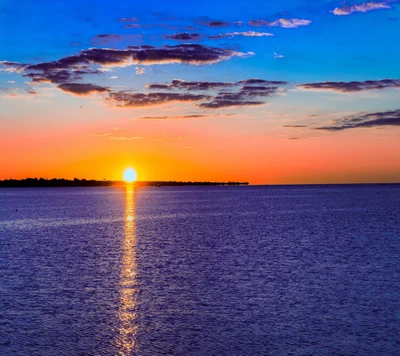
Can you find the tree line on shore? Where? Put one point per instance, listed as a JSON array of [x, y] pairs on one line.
[[41, 182]]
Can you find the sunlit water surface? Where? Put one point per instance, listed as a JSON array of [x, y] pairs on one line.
[[200, 271]]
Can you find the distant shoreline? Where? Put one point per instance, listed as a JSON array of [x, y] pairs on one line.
[[63, 183]]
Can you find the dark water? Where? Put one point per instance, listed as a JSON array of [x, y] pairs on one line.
[[200, 271]]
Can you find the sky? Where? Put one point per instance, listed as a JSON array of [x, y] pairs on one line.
[[269, 92]]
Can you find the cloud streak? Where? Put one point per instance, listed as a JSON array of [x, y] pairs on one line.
[[378, 119], [243, 34], [285, 23], [350, 87], [184, 37], [363, 7]]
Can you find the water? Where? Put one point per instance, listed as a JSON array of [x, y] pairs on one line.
[[200, 271]]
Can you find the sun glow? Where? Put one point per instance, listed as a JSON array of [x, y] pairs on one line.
[[130, 175]]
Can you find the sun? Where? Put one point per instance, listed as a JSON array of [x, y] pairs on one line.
[[130, 175]]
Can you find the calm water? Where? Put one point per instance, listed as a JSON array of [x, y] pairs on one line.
[[200, 271]]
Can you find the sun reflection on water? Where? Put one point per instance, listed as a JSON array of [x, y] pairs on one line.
[[127, 314]]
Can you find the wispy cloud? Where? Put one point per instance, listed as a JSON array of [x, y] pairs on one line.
[[180, 117], [278, 56], [385, 118], [128, 19], [101, 134], [106, 39], [363, 7], [349, 87], [244, 34], [194, 116], [125, 138], [285, 23]]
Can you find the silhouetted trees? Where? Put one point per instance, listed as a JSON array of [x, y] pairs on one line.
[[41, 182]]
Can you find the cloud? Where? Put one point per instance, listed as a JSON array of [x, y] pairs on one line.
[[241, 93], [82, 89], [125, 138], [246, 96], [194, 116], [139, 71], [295, 126], [32, 92], [198, 85], [111, 38], [184, 36], [285, 23], [72, 68], [218, 24], [223, 100], [126, 98], [11, 67], [348, 87], [363, 7], [262, 81], [278, 56], [128, 19], [385, 118], [11, 81], [194, 54], [245, 34], [101, 134], [136, 25]]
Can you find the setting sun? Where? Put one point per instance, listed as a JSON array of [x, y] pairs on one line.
[[130, 175]]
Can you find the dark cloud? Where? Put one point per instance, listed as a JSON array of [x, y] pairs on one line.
[[158, 86], [132, 99], [212, 23], [378, 119], [223, 100], [52, 76], [348, 87], [32, 92], [82, 89], [183, 53], [295, 126], [241, 93], [184, 36], [218, 24], [261, 81], [72, 68], [181, 84], [194, 116]]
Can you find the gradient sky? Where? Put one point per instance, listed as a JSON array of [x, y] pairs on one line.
[[291, 91]]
